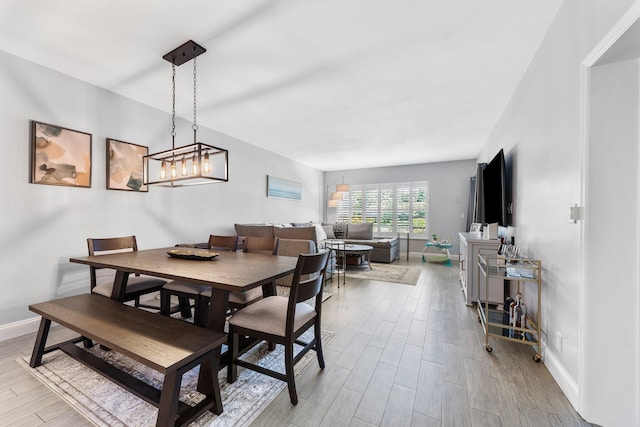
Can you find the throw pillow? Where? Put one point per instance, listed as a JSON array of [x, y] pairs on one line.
[[360, 231], [340, 230], [321, 235], [328, 230]]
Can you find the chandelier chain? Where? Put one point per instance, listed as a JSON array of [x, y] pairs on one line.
[[195, 125], [173, 103]]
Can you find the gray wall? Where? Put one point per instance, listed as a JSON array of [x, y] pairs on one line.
[[448, 193], [42, 225]]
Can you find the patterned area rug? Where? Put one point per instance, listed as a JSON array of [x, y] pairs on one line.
[[107, 404], [387, 273]]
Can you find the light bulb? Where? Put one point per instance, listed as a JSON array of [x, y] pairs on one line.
[[174, 173], [206, 167], [163, 170], [183, 167], [194, 166]]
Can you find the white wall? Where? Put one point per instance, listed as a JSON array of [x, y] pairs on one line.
[[42, 226], [448, 192], [542, 124]]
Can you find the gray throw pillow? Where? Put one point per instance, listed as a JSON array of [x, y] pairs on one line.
[[360, 231], [329, 230], [340, 230]]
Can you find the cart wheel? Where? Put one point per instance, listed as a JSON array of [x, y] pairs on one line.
[[537, 358], [488, 348]]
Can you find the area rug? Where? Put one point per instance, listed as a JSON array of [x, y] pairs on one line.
[[407, 275], [106, 404]]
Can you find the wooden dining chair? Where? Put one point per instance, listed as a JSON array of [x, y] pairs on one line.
[[266, 245], [259, 244], [282, 320], [186, 292], [292, 247], [102, 280], [240, 299]]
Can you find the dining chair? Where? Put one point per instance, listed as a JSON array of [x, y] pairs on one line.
[[185, 292], [259, 244], [102, 281], [282, 320], [241, 299], [292, 247]]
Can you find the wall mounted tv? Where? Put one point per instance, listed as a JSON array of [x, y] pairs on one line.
[[494, 184]]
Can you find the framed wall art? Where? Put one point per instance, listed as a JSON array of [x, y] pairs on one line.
[[60, 156], [125, 166], [283, 188]]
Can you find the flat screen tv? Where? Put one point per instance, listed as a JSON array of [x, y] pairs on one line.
[[494, 185]]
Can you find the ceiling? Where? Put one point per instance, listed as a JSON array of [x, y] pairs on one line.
[[335, 84]]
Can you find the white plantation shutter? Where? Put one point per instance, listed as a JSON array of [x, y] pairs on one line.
[[392, 208]]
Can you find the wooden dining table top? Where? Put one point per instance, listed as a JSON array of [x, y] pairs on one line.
[[229, 271]]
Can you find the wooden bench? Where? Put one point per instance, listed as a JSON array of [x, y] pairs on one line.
[[170, 346]]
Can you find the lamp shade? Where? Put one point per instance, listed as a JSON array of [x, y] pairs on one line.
[[332, 203], [342, 188], [337, 195]]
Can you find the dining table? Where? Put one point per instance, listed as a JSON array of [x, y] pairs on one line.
[[226, 272]]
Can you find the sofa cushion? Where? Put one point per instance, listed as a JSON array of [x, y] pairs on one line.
[[302, 233], [360, 231], [254, 230], [378, 242]]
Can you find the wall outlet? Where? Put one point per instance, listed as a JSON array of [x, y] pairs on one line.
[[559, 342]]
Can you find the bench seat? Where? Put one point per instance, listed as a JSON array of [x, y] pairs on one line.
[[168, 345]]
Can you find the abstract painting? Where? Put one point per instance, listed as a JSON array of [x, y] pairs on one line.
[[125, 166], [60, 156], [283, 188]]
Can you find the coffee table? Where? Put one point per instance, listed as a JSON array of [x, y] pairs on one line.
[[364, 250]]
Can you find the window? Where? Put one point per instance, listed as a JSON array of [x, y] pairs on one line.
[[392, 208]]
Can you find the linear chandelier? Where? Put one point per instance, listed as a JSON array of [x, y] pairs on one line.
[[193, 164]]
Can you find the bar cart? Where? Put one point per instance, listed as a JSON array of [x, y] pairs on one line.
[[519, 326]]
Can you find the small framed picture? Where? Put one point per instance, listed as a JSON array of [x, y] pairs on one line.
[[125, 166], [283, 188], [476, 227], [60, 156]]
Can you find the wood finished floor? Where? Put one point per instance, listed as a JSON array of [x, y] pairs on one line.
[[401, 356]]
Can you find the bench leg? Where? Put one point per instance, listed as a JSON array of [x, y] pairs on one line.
[[167, 411], [41, 340], [209, 384]]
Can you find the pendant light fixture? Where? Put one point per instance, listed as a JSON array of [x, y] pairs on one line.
[[192, 164]]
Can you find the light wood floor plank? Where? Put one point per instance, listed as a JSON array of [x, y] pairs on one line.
[[322, 399], [398, 412], [409, 368], [343, 410], [420, 420], [361, 374], [429, 391], [455, 406], [374, 400]]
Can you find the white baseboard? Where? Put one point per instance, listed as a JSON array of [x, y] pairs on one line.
[[567, 384], [16, 329]]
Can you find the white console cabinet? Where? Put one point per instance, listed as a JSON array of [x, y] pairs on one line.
[[471, 245]]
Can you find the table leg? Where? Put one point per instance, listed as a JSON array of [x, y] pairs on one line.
[[119, 286], [368, 257], [216, 317], [41, 340]]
